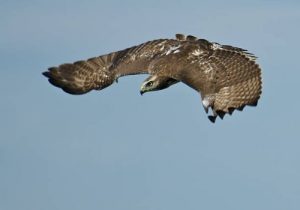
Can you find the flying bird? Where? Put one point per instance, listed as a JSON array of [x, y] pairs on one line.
[[226, 77]]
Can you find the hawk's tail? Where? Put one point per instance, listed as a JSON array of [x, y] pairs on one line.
[[81, 77]]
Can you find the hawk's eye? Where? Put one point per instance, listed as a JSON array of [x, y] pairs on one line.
[[149, 84]]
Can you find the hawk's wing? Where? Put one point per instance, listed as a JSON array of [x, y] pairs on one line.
[[240, 84], [227, 77], [99, 72]]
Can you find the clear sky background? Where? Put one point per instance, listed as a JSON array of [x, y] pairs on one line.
[[117, 150]]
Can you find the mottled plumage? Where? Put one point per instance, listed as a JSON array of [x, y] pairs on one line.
[[226, 77]]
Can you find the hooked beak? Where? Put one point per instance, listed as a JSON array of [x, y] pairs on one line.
[[142, 90]]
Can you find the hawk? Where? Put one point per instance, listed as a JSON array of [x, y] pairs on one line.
[[226, 77]]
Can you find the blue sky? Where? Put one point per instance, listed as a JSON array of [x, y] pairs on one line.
[[117, 150]]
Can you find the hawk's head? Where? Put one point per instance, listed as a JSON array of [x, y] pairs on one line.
[[154, 82]]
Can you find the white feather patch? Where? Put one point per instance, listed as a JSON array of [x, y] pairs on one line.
[[196, 52], [205, 103], [173, 49], [216, 46]]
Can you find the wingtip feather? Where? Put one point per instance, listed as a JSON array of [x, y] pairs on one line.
[[212, 118], [46, 74], [221, 114]]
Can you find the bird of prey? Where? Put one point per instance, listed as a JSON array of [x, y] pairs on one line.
[[226, 77]]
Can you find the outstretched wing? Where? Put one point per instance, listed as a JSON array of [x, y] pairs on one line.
[[240, 83], [99, 72], [227, 77]]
